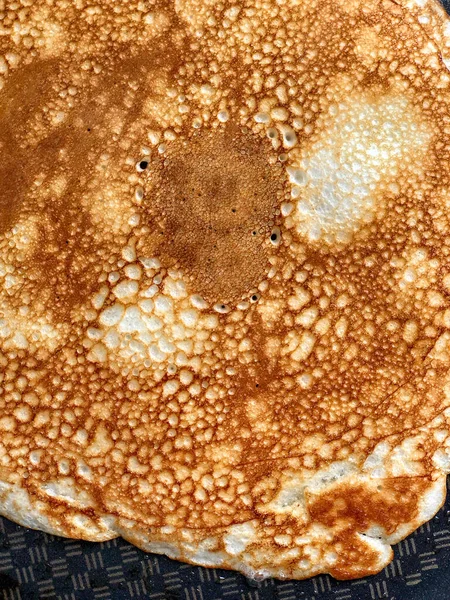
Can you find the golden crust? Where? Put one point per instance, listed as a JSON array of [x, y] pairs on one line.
[[224, 280]]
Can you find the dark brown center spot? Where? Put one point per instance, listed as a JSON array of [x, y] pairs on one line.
[[215, 198]]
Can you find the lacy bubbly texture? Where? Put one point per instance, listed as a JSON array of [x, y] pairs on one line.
[[225, 276]]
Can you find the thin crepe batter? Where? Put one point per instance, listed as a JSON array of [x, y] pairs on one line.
[[225, 276]]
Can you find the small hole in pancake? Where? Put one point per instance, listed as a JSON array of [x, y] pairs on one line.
[[221, 308], [275, 236]]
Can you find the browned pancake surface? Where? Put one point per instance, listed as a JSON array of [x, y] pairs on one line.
[[224, 276]]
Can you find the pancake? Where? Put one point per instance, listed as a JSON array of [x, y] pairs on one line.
[[225, 277]]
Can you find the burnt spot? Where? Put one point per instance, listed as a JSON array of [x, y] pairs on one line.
[[213, 195]]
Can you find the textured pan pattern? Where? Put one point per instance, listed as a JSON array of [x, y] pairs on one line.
[[224, 277]]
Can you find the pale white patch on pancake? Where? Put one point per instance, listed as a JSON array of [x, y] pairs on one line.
[[17, 504], [406, 458], [101, 443], [24, 331], [432, 500], [375, 462], [238, 538], [270, 310], [259, 414], [416, 270], [361, 145], [169, 550], [402, 460], [208, 558], [441, 459], [66, 489], [291, 497], [53, 36], [335, 472], [290, 500], [149, 325], [380, 547]]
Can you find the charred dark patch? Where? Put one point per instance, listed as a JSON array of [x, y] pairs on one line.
[[215, 199]]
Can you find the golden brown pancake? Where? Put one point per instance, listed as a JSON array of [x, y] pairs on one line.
[[225, 276]]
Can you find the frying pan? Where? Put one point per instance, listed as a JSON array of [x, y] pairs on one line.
[[38, 566]]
